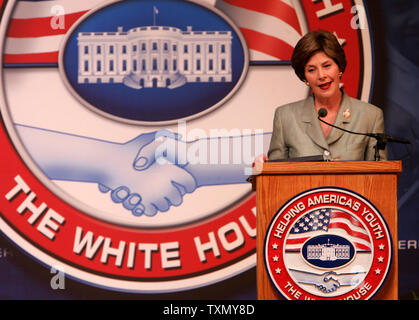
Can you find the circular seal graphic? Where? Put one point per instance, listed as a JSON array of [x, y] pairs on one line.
[[328, 243], [140, 62], [79, 190]]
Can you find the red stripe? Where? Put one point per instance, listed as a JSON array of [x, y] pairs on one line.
[[296, 240], [345, 227], [358, 245], [361, 246], [275, 8], [339, 214], [39, 27], [267, 44], [47, 57]]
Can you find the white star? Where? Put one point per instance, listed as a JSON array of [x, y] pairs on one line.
[[305, 228], [380, 259], [276, 258], [275, 246], [278, 271], [381, 247], [377, 271]]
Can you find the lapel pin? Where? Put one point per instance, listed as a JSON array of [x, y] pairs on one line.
[[346, 113]]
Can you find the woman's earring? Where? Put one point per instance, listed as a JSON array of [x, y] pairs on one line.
[[340, 75], [306, 82]]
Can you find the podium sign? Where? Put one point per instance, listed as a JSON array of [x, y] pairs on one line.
[[327, 230]]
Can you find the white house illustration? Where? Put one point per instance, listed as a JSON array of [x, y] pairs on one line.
[[328, 252], [154, 56]]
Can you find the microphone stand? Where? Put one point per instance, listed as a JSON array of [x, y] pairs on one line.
[[381, 139], [380, 145]]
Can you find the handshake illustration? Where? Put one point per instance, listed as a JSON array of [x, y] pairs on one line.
[[154, 177], [330, 281], [149, 173]]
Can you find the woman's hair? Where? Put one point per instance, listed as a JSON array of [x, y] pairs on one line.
[[313, 42]]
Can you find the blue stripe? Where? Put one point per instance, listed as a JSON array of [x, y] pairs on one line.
[[30, 65]]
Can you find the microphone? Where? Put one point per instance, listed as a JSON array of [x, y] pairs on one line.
[[323, 113], [381, 138]]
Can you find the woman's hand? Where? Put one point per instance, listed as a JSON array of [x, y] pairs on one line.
[[257, 164]]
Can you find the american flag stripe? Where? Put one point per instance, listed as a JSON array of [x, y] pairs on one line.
[[294, 245], [361, 247], [279, 9], [270, 27], [349, 230], [31, 39], [348, 225], [269, 45], [31, 58], [340, 223], [338, 214], [295, 241], [299, 240], [32, 50], [40, 27], [32, 45], [43, 8], [360, 243]]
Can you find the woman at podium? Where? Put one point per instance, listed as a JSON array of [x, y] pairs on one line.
[[319, 61]]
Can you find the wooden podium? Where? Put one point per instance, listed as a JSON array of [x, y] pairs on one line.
[[281, 181]]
